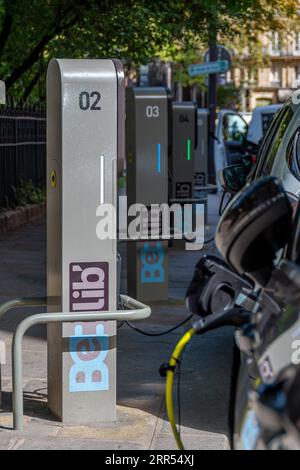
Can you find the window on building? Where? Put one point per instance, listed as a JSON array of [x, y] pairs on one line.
[[297, 73], [275, 75], [276, 43], [297, 43]]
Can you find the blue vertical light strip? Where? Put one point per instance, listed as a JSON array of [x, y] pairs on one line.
[[158, 158]]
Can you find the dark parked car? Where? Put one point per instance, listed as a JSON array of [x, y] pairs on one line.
[[279, 154], [256, 289]]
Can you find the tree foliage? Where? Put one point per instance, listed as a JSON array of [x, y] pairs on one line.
[[34, 31]]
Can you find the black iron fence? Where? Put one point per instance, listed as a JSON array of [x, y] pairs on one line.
[[22, 150]]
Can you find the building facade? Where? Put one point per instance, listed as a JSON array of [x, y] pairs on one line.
[[274, 82]]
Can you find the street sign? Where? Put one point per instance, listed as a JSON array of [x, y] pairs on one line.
[[219, 66]]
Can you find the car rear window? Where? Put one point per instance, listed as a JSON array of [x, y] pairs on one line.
[[276, 141], [293, 155]]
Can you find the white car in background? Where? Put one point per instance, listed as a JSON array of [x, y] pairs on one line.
[[234, 137], [230, 136], [261, 119], [247, 115]]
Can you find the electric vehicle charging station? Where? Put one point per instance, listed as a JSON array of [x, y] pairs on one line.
[[201, 158], [147, 149], [184, 142], [2, 343], [202, 148], [85, 112], [182, 162]]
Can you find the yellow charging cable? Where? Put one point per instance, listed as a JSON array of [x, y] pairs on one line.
[[169, 383]]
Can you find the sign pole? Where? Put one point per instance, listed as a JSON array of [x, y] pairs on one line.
[[217, 60]]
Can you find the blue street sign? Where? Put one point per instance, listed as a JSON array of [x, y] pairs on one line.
[[220, 66]]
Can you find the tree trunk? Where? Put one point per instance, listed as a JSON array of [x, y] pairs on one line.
[[31, 85], [5, 31], [35, 53]]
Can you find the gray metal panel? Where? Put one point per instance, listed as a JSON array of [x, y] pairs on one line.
[[147, 148], [82, 149], [54, 232], [201, 160], [147, 145], [147, 270], [183, 149]]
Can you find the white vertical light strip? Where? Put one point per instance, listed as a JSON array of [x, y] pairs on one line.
[[102, 179], [115, 204]]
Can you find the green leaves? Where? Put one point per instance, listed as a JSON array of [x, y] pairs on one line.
[[33, 31]]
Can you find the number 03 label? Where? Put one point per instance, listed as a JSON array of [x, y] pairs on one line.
[[152, 111]]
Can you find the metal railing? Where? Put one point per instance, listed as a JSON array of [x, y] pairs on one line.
[[135, 310], [22, 149]]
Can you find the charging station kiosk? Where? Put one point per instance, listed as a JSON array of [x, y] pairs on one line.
[[202, 187], [85, 133], [147, 149], [2, 343], [184, 142], [182, 165], [201, 160]]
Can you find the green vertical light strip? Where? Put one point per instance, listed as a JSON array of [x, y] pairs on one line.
[[188, 149]]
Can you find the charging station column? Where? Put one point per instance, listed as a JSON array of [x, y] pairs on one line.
[[85, 111], [201, 160], [147, 149], [183, 149], [202, 148], [182, 164]]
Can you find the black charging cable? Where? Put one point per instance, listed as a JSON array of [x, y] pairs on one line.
[[209, 240], [161, 333], [147, 333]]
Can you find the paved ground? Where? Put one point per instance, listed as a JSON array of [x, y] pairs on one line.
[[141, 422]]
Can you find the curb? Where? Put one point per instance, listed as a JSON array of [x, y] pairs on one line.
[[12, 219]]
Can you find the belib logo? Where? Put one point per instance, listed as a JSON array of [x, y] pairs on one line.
[[152, 259], [88, 286], [89, 345], [89, 373]]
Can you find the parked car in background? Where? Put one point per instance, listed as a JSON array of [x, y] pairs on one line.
[[279, 154], [230, 136], [261, 119], [247, 116], [235, 138]]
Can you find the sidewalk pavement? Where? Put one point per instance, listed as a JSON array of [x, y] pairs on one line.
[[141, 416]]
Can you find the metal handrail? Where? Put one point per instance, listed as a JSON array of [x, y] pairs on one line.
[[23, 302], [136, 311]]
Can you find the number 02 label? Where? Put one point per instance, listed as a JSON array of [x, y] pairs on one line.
[[89, 101]]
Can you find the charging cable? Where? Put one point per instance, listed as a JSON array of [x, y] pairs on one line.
[[233, 317], [161, 333]]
